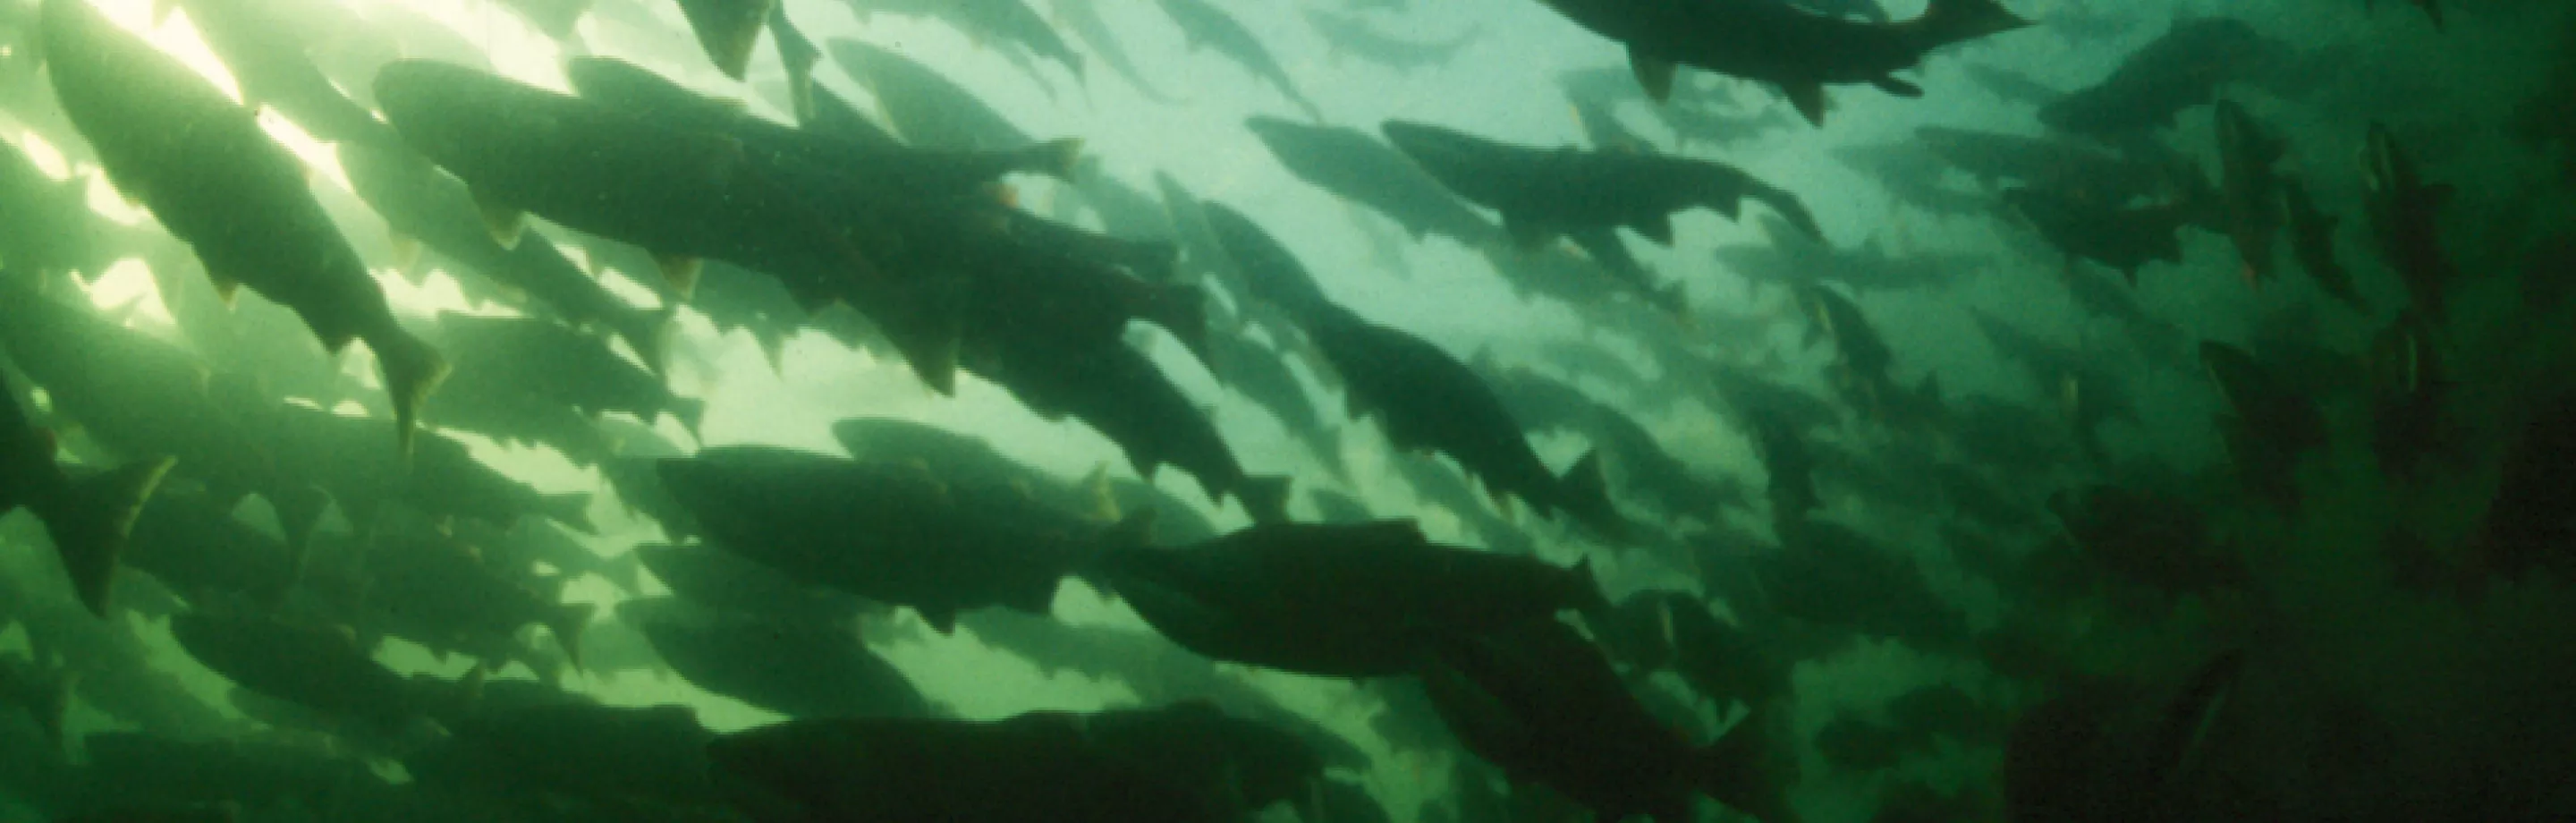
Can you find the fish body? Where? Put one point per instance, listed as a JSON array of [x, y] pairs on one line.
[[573, 161], [794, 670], [2405, 215], [2124, 238], [1363, 169], [422, 203], [884, 531], [1204, 25], [1351, 35], [1336, 601], [213, 178], [2312, 243], [2249, 189], [2180, 70], [1798, 50], [1545, 193], [1034, 766], [89, 518], [1544, 704]]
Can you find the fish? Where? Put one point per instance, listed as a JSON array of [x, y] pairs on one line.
[[270, 63], [2124, 238], [574, 748], [927, 109], [1792, 257], [1363, 600], [2050, 163], [543, 359], [2179, 70], [1032, 766], [1764, 41], [889, 532], [1260, 373], [192, 543], [2404, 214], [2150, 537], [58, 233], [212, 178], [316, 668], [43, 694], [1235, 761], [1542, 193], [88, 516], [2012, 86], [1422, 395], [1645, 470], [1082, 17], [1514, 698], [2249, 189], [2116, 751], [2268, 425], [408, 580], [725, 582], [430, 207], [2411, 430], [762, 211], [1204, 25], [556, 19], [1362, 168], [1350, 35], [2312, 243], [728, 30], [2432, 9], [1008, 22], [798, 670]]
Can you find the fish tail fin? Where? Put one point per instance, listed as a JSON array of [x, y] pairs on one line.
[[566, 623], [648, 332], [1265, 499], [412, 370], [1793, 210], [1746, 768], [569, 508], [1182, 310], [1588, 598], [1585, 485], [1053, 158], [625, 571], [692, 412], [97, 514], [1952, 21]]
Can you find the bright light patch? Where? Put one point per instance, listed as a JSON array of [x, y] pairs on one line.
[[129, 283], [48, 159]]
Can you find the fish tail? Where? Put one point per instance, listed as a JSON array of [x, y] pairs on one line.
[[412, 370], [1265, 499], [1588, 598], [692, 412], [95, 516], [566, 623], [648, 332], [1053, 158], [571, 509], [1182, 310], [1952, 21]]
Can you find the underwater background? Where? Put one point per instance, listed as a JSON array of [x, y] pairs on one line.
[[904, 410]]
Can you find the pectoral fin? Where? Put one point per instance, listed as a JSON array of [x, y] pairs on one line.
[[504, 221], [1810, 100]]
